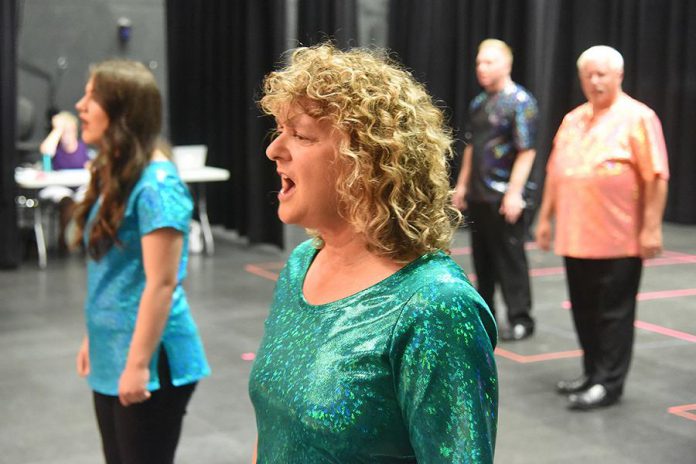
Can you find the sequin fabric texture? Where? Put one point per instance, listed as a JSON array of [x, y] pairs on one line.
[[595, 175], [500, 126], [115, 283], [400, 372]]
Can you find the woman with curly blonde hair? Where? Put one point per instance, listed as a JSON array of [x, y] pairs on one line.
[[377, 348]]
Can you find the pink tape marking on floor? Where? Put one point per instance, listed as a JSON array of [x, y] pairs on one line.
[[265, 270], [638, 324], [546, 271], [249, 356], [467, 250], [668, 261], [674, 258], [681, 411], [525, 359], [460, 251], [678, 254], [658, 295], [262, 270], [647, 296], [665, 331]]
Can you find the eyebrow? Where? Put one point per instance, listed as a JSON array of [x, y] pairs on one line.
[[292, 120]]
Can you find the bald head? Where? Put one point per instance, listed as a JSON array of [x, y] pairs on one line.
[[499, 45], [493, 65], [600, 69], [604, 54]]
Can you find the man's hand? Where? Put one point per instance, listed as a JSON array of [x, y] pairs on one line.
[[543, 234], [512, 206], [459, 198], [650, 241]]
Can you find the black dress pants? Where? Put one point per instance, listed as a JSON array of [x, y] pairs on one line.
[[603, 297], [147, 432], [499, 257]]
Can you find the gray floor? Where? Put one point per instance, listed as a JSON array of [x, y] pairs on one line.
[[46, 415]]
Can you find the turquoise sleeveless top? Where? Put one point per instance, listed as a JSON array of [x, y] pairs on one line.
[[115, 283], [401, 372]]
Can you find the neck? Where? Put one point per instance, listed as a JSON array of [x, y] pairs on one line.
[[158, 156], [345, 247], [349, 254], [599, 109], [343, 267]]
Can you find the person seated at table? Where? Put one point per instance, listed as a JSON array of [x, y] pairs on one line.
[[63, 144], [67, 151]]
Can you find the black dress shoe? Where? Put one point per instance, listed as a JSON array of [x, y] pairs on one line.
[[566, 387], [516, 332], [594, 397]]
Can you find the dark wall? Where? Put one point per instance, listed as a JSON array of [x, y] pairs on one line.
[[61, 38], [219, 52], [9, 233]]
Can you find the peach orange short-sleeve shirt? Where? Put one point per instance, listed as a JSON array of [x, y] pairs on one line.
[[597, 170]]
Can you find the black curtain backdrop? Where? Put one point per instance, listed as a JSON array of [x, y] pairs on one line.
[[321, 20], [9, 234], [438, 39], [218, 53]]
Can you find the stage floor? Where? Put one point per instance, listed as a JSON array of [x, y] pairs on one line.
[[46, 412]]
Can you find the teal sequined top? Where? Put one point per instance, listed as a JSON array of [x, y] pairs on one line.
[[400, 372], [116, 282]]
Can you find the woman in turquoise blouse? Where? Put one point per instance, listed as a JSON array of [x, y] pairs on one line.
[[377, 348], [142, 354]]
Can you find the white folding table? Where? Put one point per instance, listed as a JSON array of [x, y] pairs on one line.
[[32, 179]]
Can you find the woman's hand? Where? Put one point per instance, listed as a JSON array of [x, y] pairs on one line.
[[57, 122], [83, 358], [132, 385], [161, 254]]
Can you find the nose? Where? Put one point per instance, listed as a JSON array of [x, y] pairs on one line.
[[277, 149], [79, 105]]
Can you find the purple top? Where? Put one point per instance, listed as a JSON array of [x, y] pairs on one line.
[[74, 160]]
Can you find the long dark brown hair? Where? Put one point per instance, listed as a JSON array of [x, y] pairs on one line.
[[127, 92]]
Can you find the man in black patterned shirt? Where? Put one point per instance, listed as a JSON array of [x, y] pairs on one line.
[[491, 184]]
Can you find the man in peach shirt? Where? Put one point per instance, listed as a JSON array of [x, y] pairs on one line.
[[606, 186]]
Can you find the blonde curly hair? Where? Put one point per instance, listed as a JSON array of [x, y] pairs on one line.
[[395, 188]]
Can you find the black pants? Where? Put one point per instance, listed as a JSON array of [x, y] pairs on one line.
[[148, 432], [499, 257], [603, 298]]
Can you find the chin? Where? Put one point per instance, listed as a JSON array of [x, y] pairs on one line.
[[88, 139], [286, 217]]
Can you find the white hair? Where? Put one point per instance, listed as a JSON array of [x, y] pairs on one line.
[[602, 53]]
